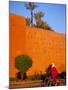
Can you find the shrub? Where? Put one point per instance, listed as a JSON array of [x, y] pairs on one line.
[[23, 63]]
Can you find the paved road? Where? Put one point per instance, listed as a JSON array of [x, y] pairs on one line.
[[29, 84], [25, 84]]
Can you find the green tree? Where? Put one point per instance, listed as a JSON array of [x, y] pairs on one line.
[[44, 25], [28, 21], [23, 63], [38, 18], [39, 21], [31, 6]]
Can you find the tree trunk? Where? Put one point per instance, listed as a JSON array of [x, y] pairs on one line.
[[23, 75], [31, 17]]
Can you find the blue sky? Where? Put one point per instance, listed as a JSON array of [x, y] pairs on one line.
[[54, 14]]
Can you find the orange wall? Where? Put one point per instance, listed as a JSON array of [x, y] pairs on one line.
[[43, 46]]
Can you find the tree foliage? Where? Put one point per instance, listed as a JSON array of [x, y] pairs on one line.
[[28, 21], [31, 6], [40, 23], [38, 17], [23, 63]]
